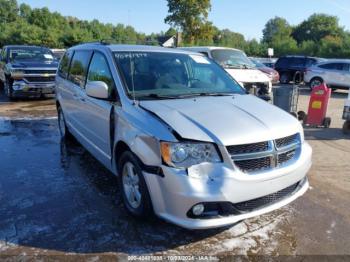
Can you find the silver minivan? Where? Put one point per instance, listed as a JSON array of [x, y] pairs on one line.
[[185, 139]]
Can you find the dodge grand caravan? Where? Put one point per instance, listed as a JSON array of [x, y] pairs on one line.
[[186, 141]]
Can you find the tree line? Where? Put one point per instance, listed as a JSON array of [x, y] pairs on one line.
[[319, 35]]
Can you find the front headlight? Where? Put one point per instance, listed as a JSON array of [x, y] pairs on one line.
[[186, 154], [17, 72]]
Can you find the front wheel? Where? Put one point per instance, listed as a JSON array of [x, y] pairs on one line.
[[327, 122], [8, 89], [301, 116], [346, 127], [133, 187], [62, 126], [315, 82]]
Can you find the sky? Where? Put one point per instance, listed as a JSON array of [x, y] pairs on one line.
[[247, 17]]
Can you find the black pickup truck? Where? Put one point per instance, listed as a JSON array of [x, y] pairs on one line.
[[27, 71]]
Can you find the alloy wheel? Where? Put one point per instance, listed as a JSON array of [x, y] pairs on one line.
[[315, 83], [131, 185]]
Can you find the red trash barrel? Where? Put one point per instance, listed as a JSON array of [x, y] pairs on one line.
[[318, 105]]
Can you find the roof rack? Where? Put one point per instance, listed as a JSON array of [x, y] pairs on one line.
[[124, 41], [100, 42]]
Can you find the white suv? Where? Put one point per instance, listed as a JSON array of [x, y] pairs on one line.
[[237, 64], [186, 141], [335, 73]]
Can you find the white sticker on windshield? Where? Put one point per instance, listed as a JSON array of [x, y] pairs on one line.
[[48, 56], [200, 59]]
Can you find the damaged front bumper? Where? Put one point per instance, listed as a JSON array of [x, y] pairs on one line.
[[178, 191]]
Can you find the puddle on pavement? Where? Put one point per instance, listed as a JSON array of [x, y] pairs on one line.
[[56, 197]]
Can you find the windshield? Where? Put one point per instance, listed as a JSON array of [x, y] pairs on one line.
[[257, 63], [30, 53], [153, 75], [230, 58]]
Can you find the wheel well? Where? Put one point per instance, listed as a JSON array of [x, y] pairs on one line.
[[316, 77], [120, 148]]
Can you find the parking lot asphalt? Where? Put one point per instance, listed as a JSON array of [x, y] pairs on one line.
[[56, 199]]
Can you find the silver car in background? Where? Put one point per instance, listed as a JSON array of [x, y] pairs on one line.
[[186, 141], [335, 73]]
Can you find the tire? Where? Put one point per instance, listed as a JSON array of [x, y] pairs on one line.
[[284, 78], [305, 120], [301, 116], [62, 126], [327, 122], [133, 187], [298, 78], [8, 89], [316, 81], [346, 127]]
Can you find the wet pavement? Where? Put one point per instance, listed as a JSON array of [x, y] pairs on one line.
[[56, 199], [26, 108]]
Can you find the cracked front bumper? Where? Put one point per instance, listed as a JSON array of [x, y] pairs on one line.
[[176, 193]]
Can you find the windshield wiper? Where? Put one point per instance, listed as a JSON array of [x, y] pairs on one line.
[[245, 66], [205, 94], [156, 96], [216, 94], [232, 66]]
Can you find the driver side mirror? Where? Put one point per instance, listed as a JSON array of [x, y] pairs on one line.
[[97, 89]]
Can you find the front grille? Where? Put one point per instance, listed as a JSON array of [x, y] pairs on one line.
[[253, 88], [261, 156], [257, 85], [248, 148], [39, 79], [284, 158], [33, 71], [251, 205], [286, 141], [253, 165]]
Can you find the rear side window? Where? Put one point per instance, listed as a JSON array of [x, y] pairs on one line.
[[64, 64], [332, 66], [282, 62], [78, 68], [346, 67], [99, 71], [311, 62], [297, 61]]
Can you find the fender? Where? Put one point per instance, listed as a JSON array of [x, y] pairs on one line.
[[112, 132]]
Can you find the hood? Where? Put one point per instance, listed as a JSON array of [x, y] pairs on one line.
[[33, 64], [248, 75], [240, 119], [267, 70]]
